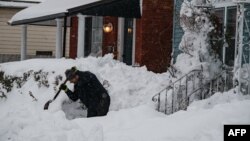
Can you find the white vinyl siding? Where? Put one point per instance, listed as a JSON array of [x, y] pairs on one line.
[[40, 38]]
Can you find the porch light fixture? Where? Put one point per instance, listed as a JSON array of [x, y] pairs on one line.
[[130, 30], [107, 28]]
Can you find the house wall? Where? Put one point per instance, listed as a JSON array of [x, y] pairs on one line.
[[39, 38], [154, 35]]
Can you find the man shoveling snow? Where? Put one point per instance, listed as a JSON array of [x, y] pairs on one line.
[[89, 90]]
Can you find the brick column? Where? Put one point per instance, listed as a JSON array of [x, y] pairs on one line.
[[154, 35], [73, 37]]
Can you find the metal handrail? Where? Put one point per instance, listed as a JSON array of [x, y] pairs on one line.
[[179, 79], [176, 103], [209, 82]]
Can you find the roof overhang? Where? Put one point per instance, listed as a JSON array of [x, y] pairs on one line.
[[116, 8], [38, 19], [14, 4]]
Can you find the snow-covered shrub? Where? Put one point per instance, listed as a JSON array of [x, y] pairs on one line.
[[197, 53], [198, 64], [8, 82], [42, 78]]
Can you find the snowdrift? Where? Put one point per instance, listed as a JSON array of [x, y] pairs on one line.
[[132, 116], [128, 86]]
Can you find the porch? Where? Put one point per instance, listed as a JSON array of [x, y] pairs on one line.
[[88, 13]]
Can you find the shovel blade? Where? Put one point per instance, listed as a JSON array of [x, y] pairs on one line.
[[46, 106]]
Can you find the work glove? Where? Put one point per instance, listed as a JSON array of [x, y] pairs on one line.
[[74, 69], [64, 87]]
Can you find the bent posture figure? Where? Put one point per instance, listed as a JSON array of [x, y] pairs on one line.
[[89, 90]]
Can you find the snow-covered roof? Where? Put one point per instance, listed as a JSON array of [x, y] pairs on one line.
[[51, 9], [47, 8], [17, 4], [30, 0]]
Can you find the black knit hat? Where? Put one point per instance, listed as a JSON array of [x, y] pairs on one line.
[[70, 73]]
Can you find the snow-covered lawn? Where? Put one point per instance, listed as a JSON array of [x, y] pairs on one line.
[[132, 116]]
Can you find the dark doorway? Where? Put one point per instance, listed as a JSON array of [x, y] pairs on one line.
[[230, 35], [128, 41], [88, 36], [218, 37]]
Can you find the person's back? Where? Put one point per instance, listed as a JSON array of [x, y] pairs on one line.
[[90, 91], [91, 86]]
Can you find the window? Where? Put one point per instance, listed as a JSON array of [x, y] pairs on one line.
[[230, 36], [224, 40], [43, 53], [93, 36], [217, 38], [97, 36]]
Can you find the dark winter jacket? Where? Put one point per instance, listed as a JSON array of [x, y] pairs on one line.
[[92, 94]]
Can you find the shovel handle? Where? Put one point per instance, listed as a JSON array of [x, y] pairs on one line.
[[46, 106], [59, 90]]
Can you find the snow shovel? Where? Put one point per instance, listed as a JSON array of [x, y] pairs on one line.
[[46, 106]]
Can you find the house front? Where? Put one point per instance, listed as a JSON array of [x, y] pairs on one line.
[[138, 33]]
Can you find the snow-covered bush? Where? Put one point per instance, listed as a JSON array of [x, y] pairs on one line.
[[197, 53], [8, 82]]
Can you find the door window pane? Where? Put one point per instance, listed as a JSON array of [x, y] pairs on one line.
[[230, 35], [217, 37], [128, 41], [97, 34]]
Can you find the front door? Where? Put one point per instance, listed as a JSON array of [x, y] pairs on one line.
[[128, 41]]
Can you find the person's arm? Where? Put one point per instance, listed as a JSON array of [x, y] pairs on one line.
[[72, 95]]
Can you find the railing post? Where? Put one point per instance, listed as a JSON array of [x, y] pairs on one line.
[[172, 103], [211, 88], [225, 85], [159, 102], [179, 96], [217, 85], [166, 101], [186, 96]]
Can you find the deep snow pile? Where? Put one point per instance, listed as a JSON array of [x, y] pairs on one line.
[[23, 118], [203, 121], [128, 86]]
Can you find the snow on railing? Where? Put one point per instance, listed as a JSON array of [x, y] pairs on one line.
[[168, 98], [192, 86]]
